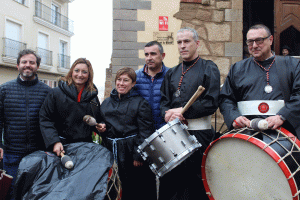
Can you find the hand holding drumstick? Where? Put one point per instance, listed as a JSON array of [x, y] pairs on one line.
[[92, 122], [178, 112]]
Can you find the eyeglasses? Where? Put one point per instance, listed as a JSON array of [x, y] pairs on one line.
[[258, 41]]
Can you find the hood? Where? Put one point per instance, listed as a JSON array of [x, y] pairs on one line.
[[71, 91], [133, 92]]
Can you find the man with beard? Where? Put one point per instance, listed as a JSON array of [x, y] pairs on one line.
[[180, 83], [20, 102], [264, 85], [150, 77]]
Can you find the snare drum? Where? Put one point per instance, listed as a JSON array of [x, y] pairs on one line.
[[246, 164], [168, 147]]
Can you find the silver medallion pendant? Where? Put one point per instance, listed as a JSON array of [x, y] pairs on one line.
[[268, 89], [177, 93]]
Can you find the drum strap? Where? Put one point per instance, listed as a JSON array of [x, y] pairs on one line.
[[115, 146]]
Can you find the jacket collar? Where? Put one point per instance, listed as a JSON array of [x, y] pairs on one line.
[[114, 94], [71, 91], [28, 83], [163, 69]]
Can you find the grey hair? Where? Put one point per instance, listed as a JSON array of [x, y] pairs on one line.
[[195, 34]]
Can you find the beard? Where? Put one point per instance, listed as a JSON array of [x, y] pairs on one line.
[[28, 75]]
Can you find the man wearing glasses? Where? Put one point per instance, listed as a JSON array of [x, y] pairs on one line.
[[262, 86]]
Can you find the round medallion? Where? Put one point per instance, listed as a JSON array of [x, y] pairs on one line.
[[268, 89], [263, 107], [177, 93]]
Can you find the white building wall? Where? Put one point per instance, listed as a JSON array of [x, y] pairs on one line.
[[31, 25]]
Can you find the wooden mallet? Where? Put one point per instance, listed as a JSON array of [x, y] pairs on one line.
[[66, 161]]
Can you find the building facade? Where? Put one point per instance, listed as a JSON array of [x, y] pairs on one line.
[[221, 24], [40, 25]]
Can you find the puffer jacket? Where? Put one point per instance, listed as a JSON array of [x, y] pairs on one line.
[[61, 116], [20, 103], [151, 92], [126, 117]]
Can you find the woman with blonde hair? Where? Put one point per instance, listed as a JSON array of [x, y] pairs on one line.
[[61, 116]]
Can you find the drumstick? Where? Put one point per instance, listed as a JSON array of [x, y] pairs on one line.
[[66, 161], [199, 91]]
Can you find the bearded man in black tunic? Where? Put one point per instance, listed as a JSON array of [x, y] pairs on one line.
[[264, 85], [179, 85]]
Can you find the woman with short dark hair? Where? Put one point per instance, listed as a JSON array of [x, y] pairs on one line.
[[128, 122]]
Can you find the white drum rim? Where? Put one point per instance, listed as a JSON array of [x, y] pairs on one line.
[[159, 132], [269, 150]]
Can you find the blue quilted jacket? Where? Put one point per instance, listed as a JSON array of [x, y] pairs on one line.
[[151, 92], [22, 133]]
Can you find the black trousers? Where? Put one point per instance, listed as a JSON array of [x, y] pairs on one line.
[[185, 181]]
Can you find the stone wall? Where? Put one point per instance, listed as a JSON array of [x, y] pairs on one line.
[[125, 45]]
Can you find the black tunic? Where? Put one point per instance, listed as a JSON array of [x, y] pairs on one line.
[[246, 81], [184, 182], [205, 73], [129, 121]]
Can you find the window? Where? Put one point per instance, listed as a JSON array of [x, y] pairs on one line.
[[43, 47], [55, 14], [64, 60], [50, 83], [12, 42]]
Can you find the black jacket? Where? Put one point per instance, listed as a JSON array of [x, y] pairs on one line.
[[125, 117], [20, 102], [61, 116]]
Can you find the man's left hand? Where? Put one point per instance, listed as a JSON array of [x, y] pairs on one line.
[[274, 122]]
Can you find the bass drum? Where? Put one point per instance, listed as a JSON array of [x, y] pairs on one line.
[[246, 164]]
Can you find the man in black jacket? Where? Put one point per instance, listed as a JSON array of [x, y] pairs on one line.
[[20, 102]]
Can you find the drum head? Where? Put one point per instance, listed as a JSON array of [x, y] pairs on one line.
[[237, 169]]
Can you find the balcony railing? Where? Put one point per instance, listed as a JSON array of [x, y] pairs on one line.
[[46, 56], [44, 12], [64, 61], [12, 47]]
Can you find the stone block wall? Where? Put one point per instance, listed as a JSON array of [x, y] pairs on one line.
[[125, 45]]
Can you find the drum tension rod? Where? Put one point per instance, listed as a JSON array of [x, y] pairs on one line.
[[173, 152]]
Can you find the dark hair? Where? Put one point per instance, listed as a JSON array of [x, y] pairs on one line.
[[152, 43], [128, 71], [89, 84], [261, 26], [26, 52]]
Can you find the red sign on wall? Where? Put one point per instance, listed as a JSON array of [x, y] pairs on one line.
[[163, 23]]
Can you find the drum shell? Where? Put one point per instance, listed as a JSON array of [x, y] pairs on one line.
[[168, 147]]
